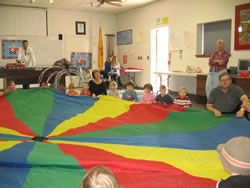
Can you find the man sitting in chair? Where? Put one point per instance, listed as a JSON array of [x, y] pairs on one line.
[[227, 98]]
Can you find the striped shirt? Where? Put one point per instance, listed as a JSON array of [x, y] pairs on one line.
[[216, 67], [183, 102]]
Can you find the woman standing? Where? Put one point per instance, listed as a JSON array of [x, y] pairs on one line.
[[107, 67], [217, 65], [96, 86]]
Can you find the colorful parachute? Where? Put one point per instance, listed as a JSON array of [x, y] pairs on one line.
[[144, 145]]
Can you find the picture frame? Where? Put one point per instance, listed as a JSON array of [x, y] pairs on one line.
[[241, 34], [80, 28], [124, 37], [10, 48], [81, 60]]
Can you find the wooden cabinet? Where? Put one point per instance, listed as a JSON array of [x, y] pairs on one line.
[[201, 89], [201, 98], [244, 83]]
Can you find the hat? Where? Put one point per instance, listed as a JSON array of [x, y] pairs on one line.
[[235, 155]]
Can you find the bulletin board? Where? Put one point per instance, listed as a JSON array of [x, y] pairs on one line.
[[124, 37]]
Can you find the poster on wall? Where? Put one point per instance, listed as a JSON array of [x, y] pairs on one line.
[[10, 48], [124, 37], [81, 60], [242, 25]]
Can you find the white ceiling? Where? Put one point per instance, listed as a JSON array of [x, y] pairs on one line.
[[83, 5]]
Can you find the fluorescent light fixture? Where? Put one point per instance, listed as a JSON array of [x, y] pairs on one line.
[[51, 1]]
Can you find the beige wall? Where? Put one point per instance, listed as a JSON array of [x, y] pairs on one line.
[[63, 22], [183, 16]]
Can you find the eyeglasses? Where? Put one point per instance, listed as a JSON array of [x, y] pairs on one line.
[[226, 80]]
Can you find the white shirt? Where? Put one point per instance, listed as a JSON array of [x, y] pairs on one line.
[[27, 56]]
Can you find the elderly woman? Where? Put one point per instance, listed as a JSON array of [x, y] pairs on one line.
[[96, 86], [217, 65]]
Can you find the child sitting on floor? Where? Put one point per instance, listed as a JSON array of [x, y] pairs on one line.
[[112, 90], [130, 94], [85, 89], [44, 85], [11, 86], [72, 91], [148, 96], [99, 177], [163, 97], [235, 158], [183, 100]]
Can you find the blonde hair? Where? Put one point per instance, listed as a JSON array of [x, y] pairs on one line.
[[112, 83], [99, 177], [163, 87], [220, 41], [11, 82], [71, 86], [114, 61], [85, 83], [182, 89]]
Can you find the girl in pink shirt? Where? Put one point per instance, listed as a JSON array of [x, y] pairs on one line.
[[148, 96]]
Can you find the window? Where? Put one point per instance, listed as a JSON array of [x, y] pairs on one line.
[[209, 33]]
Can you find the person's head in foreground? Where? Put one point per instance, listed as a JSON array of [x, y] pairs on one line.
[[99, 177], [130, 86], [163, 90], [112, 85], [220, 45], [12, 86], [182, 92], [235, 158], [44, 85], [225, 80], [148, 88]]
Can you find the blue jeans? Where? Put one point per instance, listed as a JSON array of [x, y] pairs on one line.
[[213, 81]]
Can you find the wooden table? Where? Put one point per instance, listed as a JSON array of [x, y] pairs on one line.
[[131, 78], [177, 74]]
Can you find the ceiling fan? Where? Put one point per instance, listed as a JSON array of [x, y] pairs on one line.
[[117, 3]]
